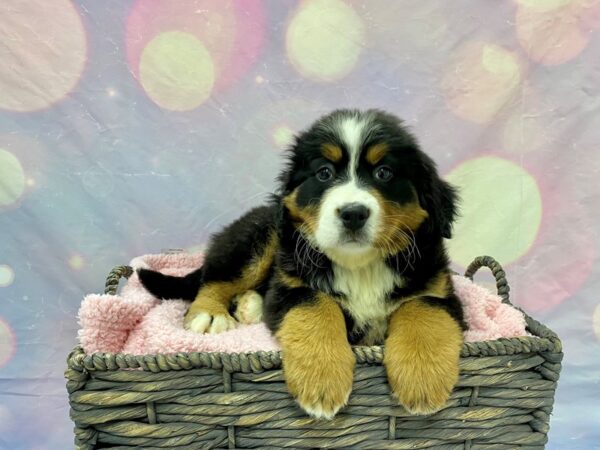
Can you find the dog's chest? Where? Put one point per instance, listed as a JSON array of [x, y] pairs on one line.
[[366, 292]]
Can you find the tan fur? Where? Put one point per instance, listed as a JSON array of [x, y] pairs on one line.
[[305, 219], [422, 356], [397, 224], [289, 281], [332, 152], [376, 152], [318, 362], [214, 298], [438, 286]]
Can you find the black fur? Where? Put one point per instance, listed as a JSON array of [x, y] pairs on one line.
[[167, 286]]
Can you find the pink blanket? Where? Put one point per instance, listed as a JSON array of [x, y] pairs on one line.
[[137, 323]]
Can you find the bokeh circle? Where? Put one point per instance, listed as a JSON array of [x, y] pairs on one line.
[[324, 39], [8, 343], [76, 262], [7, 275], [43, 49], [12, 179], [229, 34], [551, 32], [176, 71], [480, 79], [500, 210]]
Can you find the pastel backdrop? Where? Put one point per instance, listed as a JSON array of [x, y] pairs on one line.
[[127, 127]]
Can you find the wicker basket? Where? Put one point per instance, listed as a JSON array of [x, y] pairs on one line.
[[214, 400]]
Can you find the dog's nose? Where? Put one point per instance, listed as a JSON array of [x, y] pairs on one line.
[[354, 216]]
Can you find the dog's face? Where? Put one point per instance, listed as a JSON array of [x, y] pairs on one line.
[[358, 187]]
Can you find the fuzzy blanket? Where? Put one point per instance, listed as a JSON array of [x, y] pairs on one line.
[[135, 322]]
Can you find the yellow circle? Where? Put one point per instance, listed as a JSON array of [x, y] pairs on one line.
[[76, 262], [12, 178], [543, 5], [596, 322], [177, 71], [325, 39], [43, 50], [500, 210], [7, 275]]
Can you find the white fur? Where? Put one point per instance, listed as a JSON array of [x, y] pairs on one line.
[[249, 308], [205, 323], [138, 263], [352, 131], [366, 289], [318, 412], [200, 323]]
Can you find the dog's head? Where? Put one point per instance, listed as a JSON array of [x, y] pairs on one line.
[[357, 186]]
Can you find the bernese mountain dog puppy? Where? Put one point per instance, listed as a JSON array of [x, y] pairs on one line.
[[350, 251]]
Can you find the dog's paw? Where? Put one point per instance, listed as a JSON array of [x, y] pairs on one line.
[[249, 308], [204, 322], [422, 355], [422, 387], [321, 387]]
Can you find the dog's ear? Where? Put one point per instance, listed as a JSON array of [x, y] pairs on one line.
[[439, 199]]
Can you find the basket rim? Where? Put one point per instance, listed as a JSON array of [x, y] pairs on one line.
[[542, 339], [268, 360]]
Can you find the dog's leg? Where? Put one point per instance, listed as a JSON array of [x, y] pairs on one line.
[[318, 363], [422, 353], [239, 259], [209, 312]]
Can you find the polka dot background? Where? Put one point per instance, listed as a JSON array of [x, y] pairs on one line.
[[130, 127]]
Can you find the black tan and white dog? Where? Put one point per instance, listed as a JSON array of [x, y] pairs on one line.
[[349, 252]]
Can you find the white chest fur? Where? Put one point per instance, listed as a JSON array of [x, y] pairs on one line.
[[366, 290]]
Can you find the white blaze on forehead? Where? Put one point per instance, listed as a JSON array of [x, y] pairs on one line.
[[352, 132]]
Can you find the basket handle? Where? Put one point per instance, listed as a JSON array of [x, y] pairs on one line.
[[497, 270], [113, 278]]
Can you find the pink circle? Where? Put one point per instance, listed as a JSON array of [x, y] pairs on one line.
[[232, 31], [553, 36], [589, 13], [480, 79], [562, 257], [44, 55], [8, 343]]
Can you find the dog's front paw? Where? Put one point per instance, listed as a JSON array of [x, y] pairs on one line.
[[205, 322], [320, 386], [422, 387], [422, 354]]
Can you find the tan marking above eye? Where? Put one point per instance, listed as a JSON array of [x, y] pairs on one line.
[[376, 152], [332, 152]]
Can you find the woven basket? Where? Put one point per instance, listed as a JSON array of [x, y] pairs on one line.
[[195, 401]]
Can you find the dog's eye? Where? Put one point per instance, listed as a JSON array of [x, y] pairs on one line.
[[325, 173], [383, 173]]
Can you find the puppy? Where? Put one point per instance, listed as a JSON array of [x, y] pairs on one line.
[[349, 252]]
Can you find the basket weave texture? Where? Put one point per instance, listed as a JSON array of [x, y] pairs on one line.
[[195, 401]]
